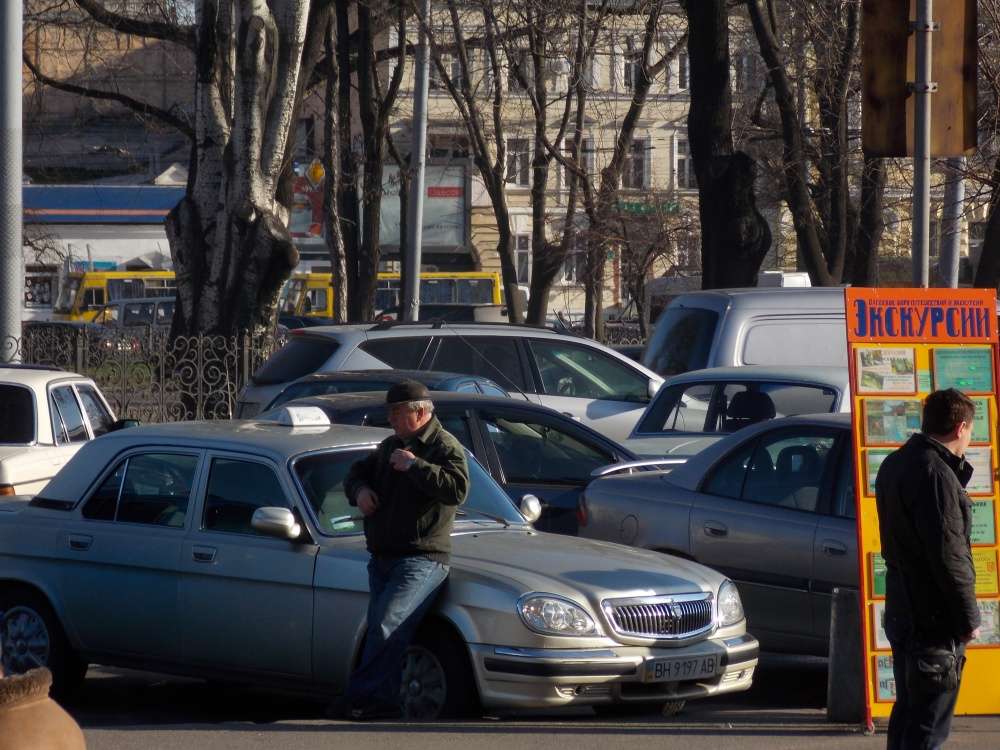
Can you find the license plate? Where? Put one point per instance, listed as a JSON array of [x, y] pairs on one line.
[[676, 670]]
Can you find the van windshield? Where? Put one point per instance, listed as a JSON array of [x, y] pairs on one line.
[[682, 340]]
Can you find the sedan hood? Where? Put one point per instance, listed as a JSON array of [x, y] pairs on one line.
[[533, 561]]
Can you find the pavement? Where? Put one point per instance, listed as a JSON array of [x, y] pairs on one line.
[[123, 709]]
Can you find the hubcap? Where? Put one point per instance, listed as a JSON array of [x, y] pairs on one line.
[[424, 687], [25, 640]]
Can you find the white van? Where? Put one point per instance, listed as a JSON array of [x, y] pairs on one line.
[[755, 326]]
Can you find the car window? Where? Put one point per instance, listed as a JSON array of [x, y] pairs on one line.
[[583, 372], [494, 357], [72, 416], [400, 353], [164, 313], [489, 389], [156, 489], [680, 408], [726, 479], [791, 399], [535, 452], [150, 488], [467, 386], [787, 470], [17, 414], [844, 501], [97, 412], [138, 314], [322, 477], [300, 356], [458, 425], [235, 490], [681, 341]]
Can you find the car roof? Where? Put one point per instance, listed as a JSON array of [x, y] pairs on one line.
[[367, 399], [802, 300], [837, 377], [261, 438], [36, 377], [689, 474], [393, 376]]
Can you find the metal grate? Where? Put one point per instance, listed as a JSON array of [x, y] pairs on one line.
[[661, 617]]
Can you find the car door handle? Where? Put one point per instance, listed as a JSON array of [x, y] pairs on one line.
[[80, 542], [714, 528], [833, 549], [203, 554]]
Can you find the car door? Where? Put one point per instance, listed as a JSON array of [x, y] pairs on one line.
[[755, 520], [590, 385], [540, 456], [125, 546], [835, 555], [246, 598]]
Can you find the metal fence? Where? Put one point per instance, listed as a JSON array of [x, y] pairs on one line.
[[145, 374]]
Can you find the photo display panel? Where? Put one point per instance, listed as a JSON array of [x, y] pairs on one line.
[[903, 344]]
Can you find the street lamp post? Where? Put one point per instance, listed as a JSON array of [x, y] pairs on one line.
[[11, 250]]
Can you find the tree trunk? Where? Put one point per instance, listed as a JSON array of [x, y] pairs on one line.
[[350, 216], [870, 223], [332, 185], [735, 236], [988, 270]]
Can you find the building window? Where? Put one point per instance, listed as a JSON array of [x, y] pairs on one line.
[[518, 162], [683, 166], [633, 70], [574, 267], [453, 67], [519, 61], [682, 70], [634, 172], [522, 257]]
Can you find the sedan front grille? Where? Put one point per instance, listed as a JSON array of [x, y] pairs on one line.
[[661, 617]]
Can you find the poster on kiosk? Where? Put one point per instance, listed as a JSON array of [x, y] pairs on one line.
[[903, 344]]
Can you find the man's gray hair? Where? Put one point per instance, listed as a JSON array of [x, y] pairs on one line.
[[426, 404]]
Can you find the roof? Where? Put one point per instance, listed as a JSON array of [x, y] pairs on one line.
[[36, 377], [836, 377], [392, 376], [98, 204], [801, 300], [689, 474]]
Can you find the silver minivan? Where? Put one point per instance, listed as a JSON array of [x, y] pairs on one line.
[[755, 326]]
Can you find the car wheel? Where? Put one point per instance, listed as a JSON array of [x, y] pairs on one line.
[[437, 678], [32, 637]]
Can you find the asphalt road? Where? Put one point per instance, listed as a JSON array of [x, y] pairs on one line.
[[122, 710]]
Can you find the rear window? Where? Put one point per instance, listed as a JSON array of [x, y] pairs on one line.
[[682, 340], [398, 353], [302, 355], [802, 341], [17, 415]]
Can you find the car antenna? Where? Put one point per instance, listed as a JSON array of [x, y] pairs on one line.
[[487, 361]]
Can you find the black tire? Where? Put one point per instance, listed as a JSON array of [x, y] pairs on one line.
[[640, 708], [437, 677], [32, 636]]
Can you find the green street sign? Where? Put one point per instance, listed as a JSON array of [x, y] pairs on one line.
[[643, 209]]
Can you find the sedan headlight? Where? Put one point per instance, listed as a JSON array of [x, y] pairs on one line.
[[552, 615], [730, 608]]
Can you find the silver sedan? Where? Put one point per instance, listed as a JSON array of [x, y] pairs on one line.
[[228, 550]]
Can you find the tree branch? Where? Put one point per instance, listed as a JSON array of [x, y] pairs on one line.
[[142, 108], [168, 32]]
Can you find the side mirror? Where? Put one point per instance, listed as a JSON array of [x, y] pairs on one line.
[[653, 389], [277, 522], [122, 424], [531, 508]]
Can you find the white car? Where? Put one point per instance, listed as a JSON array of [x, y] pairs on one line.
[[574, 375], [45, 416]]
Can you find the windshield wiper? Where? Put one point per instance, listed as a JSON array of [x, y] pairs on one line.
[[498, 519]]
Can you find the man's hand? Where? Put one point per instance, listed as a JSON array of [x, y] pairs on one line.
[[367, 501], [401, 460], [971, 636]]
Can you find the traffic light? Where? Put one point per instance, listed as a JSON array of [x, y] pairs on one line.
[[888, 69]]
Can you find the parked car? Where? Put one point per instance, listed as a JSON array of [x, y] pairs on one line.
[[574, 375], [46, 414], [459, 312], [228, 550], [755, 326], [772, 506], [529, 449], [132, 313], [357, 381], [693, 410]]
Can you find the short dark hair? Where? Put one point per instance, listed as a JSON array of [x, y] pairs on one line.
[[945, 410]]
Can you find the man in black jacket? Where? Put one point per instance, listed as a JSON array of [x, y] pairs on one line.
[[925, 519], [408, 490]]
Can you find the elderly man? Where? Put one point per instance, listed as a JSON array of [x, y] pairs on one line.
[[408, 490]]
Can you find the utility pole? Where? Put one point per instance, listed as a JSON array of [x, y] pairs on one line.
[[11, 212], [922, 88], [951, 221], [418, 158]]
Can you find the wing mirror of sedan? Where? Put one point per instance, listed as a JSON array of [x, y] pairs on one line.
[[279, 522], [653, 388], [122, 424], [531, 508]]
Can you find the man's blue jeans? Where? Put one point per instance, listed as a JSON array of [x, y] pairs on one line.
[[401, 590]]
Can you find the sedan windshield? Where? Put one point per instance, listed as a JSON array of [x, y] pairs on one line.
[[322, 478]]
